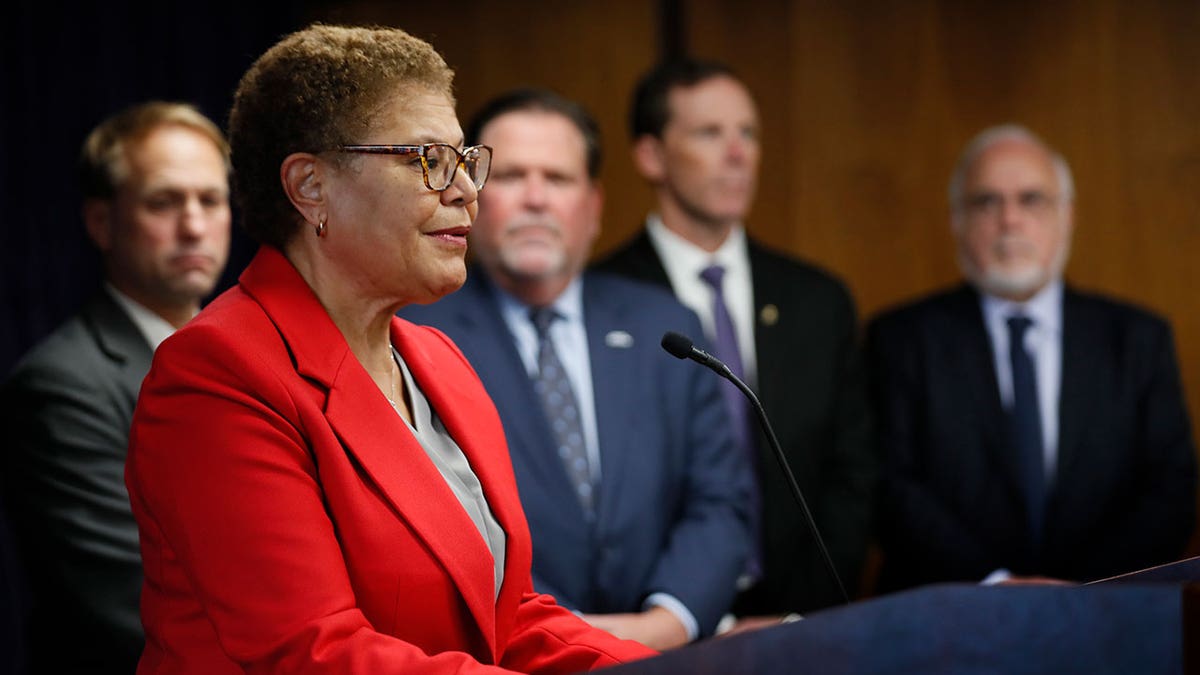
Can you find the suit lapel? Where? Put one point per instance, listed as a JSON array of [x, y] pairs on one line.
[[120, 339], [485, 337], [639, 259], [459, 409], [612, 356], [968, 352], [372, 432], [767, 308], [1080, 379]]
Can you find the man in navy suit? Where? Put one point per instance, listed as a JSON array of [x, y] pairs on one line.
[[624, 457], [1030, 429]]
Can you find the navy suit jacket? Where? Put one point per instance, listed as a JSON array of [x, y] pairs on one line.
[[1124, 494], [671, 501], [812, 386]]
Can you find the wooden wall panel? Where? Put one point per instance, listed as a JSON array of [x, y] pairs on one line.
[[865, 104], [589, 50]]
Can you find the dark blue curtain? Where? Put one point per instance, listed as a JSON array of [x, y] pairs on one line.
[[63, 69]]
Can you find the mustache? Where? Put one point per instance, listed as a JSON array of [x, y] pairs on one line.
[[543, 221], [1011, 243]]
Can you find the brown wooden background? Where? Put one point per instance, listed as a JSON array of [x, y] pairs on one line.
[[865, 105]]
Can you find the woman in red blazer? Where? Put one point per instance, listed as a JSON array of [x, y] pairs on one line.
[[319, 486]]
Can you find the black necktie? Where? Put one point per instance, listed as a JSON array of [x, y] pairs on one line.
[[1026, 421], [562, 409]]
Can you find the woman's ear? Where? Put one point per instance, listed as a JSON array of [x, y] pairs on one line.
[[301, 174]]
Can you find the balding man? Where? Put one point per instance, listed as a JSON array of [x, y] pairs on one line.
[[1029, 429]]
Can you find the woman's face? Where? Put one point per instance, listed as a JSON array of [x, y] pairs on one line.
[[395, 238]]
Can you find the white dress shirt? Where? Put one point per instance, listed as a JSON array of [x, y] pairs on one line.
[[684, 261]]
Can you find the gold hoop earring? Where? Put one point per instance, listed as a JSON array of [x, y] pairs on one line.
[[320, 229]]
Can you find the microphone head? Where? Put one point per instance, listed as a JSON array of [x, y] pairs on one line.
[[677, 345]]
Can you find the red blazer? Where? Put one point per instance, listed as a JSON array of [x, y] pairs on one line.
[[289, 521]]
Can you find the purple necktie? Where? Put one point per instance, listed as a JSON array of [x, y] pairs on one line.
[[725, 348]]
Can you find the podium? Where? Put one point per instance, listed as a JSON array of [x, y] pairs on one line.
[[1138, 623]]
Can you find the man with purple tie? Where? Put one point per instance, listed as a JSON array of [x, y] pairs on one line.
[[789, 328]]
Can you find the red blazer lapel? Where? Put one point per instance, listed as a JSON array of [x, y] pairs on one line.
[[471, 418], [378, 440], [388, 453]]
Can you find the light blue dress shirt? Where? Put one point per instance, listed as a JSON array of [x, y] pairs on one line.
[[569, 337]]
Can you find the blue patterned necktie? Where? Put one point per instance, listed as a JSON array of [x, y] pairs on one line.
[[562, 409], [725, 348], [1026, 423]]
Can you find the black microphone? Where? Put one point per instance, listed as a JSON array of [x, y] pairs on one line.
[[681, 347]]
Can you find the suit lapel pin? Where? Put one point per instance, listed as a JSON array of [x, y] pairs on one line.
[[769, 315], [618, 339]]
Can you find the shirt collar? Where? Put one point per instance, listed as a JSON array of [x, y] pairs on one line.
[[1045, 307], [152, 326], [731, 255], [568, 304]]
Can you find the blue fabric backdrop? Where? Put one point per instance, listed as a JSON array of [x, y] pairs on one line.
[[63, 68]]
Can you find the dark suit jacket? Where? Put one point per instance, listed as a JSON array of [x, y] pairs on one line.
[[290, 522], [672, 493], [811, 384], [67, 409], [13, 605], [1124, 496]]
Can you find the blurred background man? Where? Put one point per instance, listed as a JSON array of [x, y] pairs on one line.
[[634, 494], [156, 204], [787, 327], [1029, 428]]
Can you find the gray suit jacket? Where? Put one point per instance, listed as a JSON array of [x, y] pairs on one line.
[[67, 408]]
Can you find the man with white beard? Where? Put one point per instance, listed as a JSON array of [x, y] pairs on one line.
[[1029, 430]]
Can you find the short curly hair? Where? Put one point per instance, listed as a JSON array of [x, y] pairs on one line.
[[316, 89]]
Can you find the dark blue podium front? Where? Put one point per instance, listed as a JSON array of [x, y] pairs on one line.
[[960, 628]]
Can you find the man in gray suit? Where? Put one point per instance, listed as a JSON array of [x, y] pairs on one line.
[[156, 204]]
